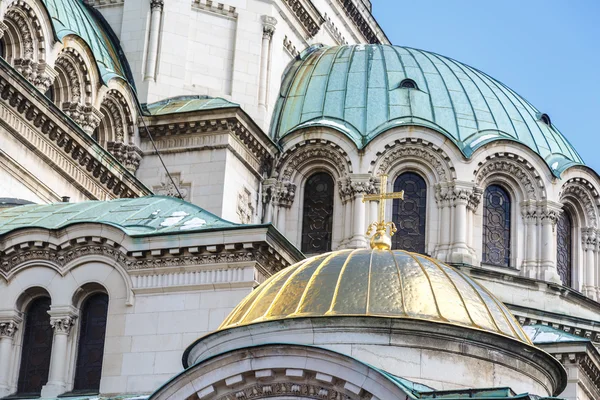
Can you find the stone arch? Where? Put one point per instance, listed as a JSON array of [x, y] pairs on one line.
[[25, 42], [418, 151], [516, 173], [293, 371], [73, 89], [116, 124], [583, 197]]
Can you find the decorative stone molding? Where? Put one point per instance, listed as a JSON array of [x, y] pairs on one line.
[[582, 192], [280, 193], [43, 77], [23, 19], [307, 14], [548, 214], [85, 116], [3, 29], [120, 129], [349, 187], [418, 149], [334, 31], [129, 155], [74, 155], [245, 206], [62, 325], [104, 3], [157, 4], [173, 187], [214, 277], [289, 47], [294, 158], [216, 8], [593, 335], [268, 24], [61, 255], [517, 168], [474, 199], [8, 329], [361, 21], [589, 238]]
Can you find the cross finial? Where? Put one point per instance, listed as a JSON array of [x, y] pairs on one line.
[[381, 240]]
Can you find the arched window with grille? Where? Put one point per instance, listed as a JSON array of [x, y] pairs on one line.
[[37, 348], [410, 214], [90, 352], [496, 226], [564, 247], [317, 214]]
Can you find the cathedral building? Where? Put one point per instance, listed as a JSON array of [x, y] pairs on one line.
[[186, 188]]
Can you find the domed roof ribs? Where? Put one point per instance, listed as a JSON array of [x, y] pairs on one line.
[[334, 59], [350, 62], [424, 80], [437, 306], [386, 84], [401, 285], [459, 65], [462, 87], [458, 137], [405, 77]]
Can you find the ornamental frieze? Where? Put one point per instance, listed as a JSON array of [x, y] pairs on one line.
[[292, 389]]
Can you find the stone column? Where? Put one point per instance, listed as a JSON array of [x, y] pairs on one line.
[[548, 214], [530, 218], [8, 328], [62, 322], [265, 59], [459, 196], [588, 287], [360, 184], [156, 8], [443, 201]]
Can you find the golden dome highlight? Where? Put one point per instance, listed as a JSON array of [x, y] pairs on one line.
[[376, 283]]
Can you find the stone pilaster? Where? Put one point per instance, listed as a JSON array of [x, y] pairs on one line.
[[442, 198], [8, 329], [460, 194], [62, 320], [589, 243], [356, 187], [530, 218]]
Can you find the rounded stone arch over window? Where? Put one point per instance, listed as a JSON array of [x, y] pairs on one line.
[[564, 247], [116, 124], [317, 213], [496, 226], [409, 215], [92, 301], [36, 342]]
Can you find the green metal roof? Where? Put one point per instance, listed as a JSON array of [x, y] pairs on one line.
[[142, 216], [546, 334], [355, 89], [183, 104], [72, 17]]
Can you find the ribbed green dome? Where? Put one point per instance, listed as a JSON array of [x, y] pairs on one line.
[[356, 89]]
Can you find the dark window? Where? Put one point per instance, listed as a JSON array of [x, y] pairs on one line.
[[496, 226], [410, 214], [545, 118], [37, 348], [1, 48], [91, 344], [317, 217], [408, 84], [564, 229]]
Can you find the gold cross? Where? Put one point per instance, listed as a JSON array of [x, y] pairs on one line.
[[380, 239]]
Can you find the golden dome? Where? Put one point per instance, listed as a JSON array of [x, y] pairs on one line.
[[376, 283]]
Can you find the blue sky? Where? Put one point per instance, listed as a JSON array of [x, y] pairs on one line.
[[548, 51]]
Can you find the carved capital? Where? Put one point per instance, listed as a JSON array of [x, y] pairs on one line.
[[156, 5], [127, 154], [62, 325], [8, 329], [589, 238], [474, 198], [268, 26], [350, 187], [282, 194], [3, 28], [463, 194], [548, 215], [43, 76]]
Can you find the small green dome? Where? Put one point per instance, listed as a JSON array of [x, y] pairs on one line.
[[364, 90]]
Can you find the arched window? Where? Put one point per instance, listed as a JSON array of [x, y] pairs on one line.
[[496, 226], [317, 216], [408, 84], [410, 214], [37, 348], [564, 229], [91, 344]]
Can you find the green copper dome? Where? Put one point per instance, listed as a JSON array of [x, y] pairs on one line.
[[364, 90], [72, 17]]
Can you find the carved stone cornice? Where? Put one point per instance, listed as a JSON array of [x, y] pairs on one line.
[[517, 168], [40, 125], [62, 255], [307, 14], [127, 154], [417, 149], [355, 14], [8, 328], [216, 8], [63, 324], [295, 157]]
